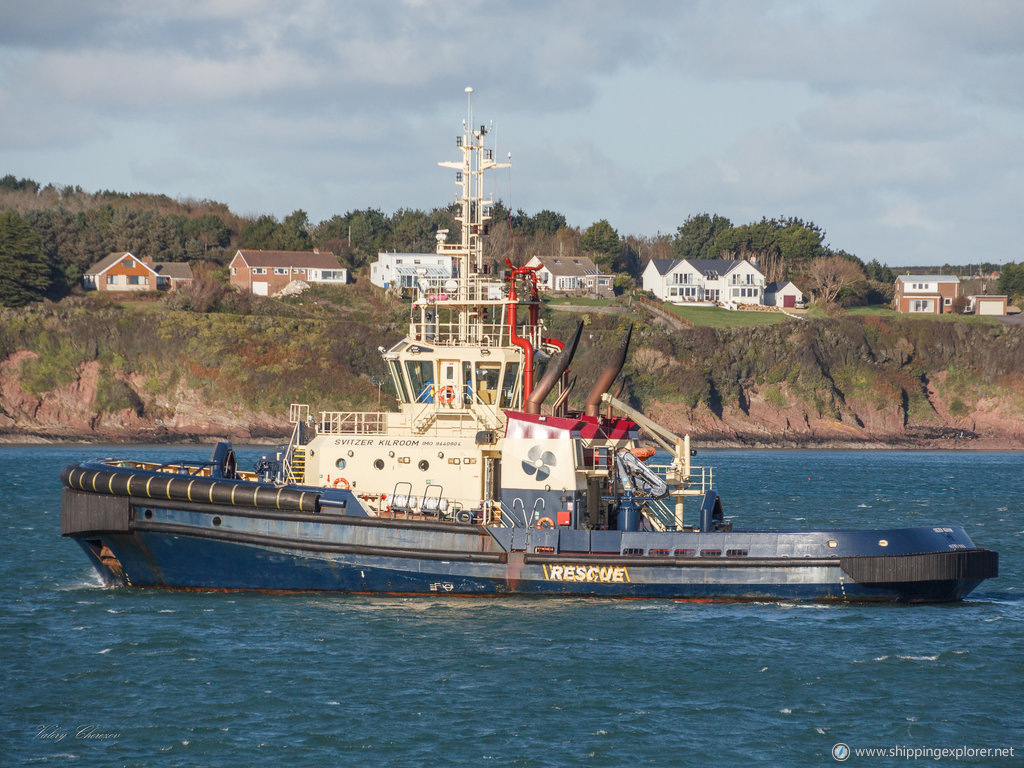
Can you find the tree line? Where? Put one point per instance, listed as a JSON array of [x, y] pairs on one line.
[[49, 236]]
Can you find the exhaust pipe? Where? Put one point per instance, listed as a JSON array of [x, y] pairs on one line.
[[553, 373], [604, 381]]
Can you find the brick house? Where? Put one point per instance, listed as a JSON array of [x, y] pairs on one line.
[[267, 272], [928, 294], [122, 271]]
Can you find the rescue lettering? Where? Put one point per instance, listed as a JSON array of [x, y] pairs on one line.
[[587, 573]]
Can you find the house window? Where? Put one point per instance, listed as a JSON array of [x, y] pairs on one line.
[[280, 270], [922, 305], [259, 271], [111, 279], [128, 263], [134, 279], [234, 271], [332, 274], [947, 301]]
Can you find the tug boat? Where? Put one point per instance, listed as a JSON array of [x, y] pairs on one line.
[[477, 486]]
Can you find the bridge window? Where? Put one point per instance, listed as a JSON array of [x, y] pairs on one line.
[[421, 376], [509, 391], [486, 383], [400, 386]]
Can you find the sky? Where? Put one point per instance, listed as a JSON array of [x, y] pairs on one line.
[[897, 127]]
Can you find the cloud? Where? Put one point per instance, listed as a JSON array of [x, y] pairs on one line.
[[867, 117]]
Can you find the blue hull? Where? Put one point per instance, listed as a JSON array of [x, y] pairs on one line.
[[142, 543]]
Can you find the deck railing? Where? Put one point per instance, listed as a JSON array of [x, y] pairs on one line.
[[352, 423]]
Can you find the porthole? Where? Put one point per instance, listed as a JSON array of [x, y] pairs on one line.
[[340, 463], [832, 543], [216, 521], [424, 465], [883, 542], [379, 464], [149, 514]]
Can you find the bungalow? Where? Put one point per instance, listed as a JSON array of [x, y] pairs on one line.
[[783, 294], [705, 281], [172, 275], [399, 272], [928, 294], [267, 272], [575, 274], [122, 271]]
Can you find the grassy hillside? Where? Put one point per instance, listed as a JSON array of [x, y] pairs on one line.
[[91, 367]]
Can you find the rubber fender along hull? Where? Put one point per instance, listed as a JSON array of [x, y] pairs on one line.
[[170, 487]]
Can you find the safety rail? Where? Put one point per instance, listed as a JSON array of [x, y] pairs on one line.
[[297, 412], [352, 423], [451, 332], [700, 481], [193, 469]]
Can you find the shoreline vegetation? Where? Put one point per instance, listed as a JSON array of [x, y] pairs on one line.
[[96, 370]]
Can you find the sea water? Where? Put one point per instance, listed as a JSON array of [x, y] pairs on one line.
[[98, 676]]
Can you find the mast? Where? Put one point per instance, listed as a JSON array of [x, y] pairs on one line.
[[474, 211]]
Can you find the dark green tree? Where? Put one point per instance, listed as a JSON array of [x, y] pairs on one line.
[[1011, 280], [695, 238], [879, 272], [293, 234], [549, 222], [259, 233], [24, 274], [601, 237]]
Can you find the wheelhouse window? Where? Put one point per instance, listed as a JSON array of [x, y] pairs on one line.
[[400, 386], [487, 381], [508, 386], [421, 378]]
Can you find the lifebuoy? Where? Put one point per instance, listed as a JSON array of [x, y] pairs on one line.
[[446, 394], [545, 522], [342, 482]]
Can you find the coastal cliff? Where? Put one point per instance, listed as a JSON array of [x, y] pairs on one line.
[[105, 372]]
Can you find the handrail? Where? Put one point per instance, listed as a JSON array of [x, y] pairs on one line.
[[352, 422]]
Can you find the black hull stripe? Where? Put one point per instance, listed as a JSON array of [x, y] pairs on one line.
[[283, 542]]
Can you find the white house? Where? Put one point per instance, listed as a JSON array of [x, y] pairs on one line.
[[704, 281], [400, 271], [572, 274], [783, 294]]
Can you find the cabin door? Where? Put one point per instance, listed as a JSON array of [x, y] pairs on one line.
[[448, 391]]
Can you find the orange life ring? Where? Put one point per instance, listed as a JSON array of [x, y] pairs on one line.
[[446, 394], [545, 522], [643, 453], [342, 482]]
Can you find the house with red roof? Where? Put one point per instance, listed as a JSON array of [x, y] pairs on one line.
[[265, 273]]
